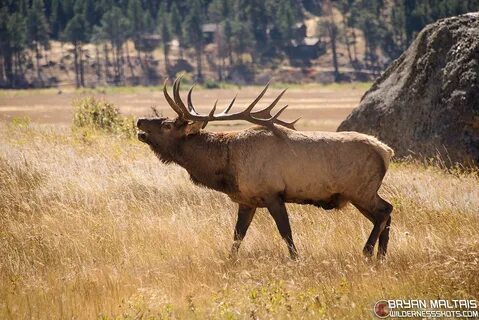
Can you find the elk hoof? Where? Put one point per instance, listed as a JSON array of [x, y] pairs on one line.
[[368, 251]]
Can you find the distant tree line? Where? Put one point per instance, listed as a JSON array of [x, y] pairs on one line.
[[260, 31]]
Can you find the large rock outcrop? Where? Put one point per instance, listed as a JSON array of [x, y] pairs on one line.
[[427, 102]]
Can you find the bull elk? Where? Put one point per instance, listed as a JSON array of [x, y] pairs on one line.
[[272, 164]]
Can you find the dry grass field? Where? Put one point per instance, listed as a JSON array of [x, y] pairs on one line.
[[94, 226]]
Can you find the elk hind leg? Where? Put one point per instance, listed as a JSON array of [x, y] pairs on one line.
[[384, 239], [379, 214]]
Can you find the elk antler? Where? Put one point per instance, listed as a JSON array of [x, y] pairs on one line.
[[262, 117]]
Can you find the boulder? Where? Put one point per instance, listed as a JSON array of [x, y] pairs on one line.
[[427, 101]]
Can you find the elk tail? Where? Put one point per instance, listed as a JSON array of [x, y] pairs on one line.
[[384, 151]]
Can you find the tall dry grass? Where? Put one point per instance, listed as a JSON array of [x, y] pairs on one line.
[[95, 227]]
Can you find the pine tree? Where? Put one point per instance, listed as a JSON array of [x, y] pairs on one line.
[[219, 10], [23, 7], [345, 7], [329, 25], [76, 33], [176, 26], [12, 44], [285, 20], [37, 31], [5, 53], [163, 25], [260, 15], [242, 38], [91, 14], [115, 28], [55, 20], [67, 13], [397, 28], [136, 15], [194, 35], [17, 29]]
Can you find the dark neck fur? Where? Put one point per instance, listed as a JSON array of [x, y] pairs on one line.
[[206, 157]]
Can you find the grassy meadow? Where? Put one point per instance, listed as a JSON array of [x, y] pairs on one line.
[[94, 226]]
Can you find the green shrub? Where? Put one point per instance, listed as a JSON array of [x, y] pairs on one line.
[[212, 84], [101, 115]]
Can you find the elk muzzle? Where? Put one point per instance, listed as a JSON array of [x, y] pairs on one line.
[[142, 125]]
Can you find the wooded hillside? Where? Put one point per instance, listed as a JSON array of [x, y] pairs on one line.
[[117, 42]]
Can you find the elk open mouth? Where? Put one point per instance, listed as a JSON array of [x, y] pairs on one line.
[[143, 136]]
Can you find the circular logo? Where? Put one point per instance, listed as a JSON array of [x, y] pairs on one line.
[[381, 309]]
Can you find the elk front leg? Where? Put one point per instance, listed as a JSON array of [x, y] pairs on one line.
[[278, 210], [245, 216]]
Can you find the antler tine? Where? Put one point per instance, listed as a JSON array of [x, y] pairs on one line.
[[266, 112], [191, 108], [289, 125], [212, 112], [176, 95], [251, 106], [170, 100], [228, 108], [278, 113], [272, 120]]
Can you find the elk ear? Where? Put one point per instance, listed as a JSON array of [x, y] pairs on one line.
[[179, 122], [194, 127]]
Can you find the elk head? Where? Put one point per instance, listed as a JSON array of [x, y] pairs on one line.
[[164, 134]]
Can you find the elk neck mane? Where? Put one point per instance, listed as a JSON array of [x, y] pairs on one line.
[[206, 157]]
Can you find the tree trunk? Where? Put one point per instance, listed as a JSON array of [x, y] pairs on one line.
[[355, 48], [230, 53], [219, 39], [20, 62], [146, 60], [366, 53], [130, 65], [199, 73], [45, 57], [8, 63], [82, 78], [346, 39], [15, 63], [98, 66], [121, 64], [2, 69], [115, 63], [138, 54], [37, 57], [75, 55], [333, 37], [167, 61], [107, 61], [219, 68], [333, 32], [180, 48]]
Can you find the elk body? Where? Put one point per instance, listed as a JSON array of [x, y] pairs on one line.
[[272, 164]]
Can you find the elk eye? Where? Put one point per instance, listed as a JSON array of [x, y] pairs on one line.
[[167, 126]]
